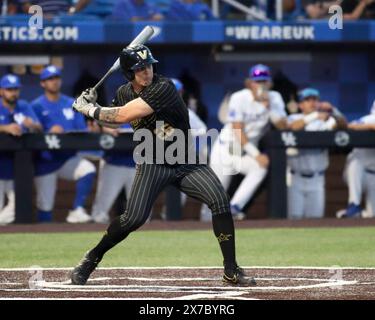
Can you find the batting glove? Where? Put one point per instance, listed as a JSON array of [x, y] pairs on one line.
[[90, 95], [82, 106]]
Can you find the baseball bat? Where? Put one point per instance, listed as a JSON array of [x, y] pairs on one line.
[[141, 38]]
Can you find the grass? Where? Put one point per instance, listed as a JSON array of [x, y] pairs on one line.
[[267, 247]]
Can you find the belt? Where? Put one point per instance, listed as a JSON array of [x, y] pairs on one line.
[[309, 175], [370, 171]]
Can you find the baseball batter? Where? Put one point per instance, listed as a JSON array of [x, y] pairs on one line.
[[16, 118], [54, 112], [250, 112], [359, 174], [152, 105], [306, 186]]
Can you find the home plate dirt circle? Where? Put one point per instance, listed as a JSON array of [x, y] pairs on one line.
[[190, 283]]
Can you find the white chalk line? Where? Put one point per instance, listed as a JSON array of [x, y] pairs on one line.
[[209, 279], [61, 286], [198, 292]]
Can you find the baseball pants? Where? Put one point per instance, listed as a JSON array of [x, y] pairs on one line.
[[110, 182], [197, 181], [226, 165], [370, 193], [7, 189], [74, 169], [306, 196], [354, 176]]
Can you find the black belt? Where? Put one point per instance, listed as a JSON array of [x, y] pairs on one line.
[[308, 175], [370, 171]]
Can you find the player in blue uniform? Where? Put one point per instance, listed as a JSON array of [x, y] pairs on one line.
[[54, 111], [16, 118]]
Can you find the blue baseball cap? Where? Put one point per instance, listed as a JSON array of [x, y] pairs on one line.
[[177, 83], [260, 72], [308, 93], [10, 81], [49, 72]]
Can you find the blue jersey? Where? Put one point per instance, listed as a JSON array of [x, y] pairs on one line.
[[7, 116], [51, 113], [118, 158]]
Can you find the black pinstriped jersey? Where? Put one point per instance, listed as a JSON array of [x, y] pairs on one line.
[[170, 112]]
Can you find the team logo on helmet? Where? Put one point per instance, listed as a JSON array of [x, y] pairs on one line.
[[142, 54]]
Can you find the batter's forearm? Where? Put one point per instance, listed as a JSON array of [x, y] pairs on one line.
[[110, 115]]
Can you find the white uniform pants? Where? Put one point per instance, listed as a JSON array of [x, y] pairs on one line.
[[74, 169], [225, 165], [370, 193], [110, 182], [7, 189], [354, 176], [306, 196]]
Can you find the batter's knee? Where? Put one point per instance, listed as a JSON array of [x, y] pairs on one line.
[[219, 203]]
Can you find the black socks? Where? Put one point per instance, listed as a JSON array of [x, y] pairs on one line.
[[224, 231]]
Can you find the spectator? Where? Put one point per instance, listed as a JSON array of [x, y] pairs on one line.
[[352, 9], [358, 9], [52, 8], [136, 10], [16, 118], [9, 7], [56, 115], [187, 10], [317, 9]]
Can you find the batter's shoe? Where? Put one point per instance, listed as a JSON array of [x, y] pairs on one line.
[[82, 271], [237, 277]]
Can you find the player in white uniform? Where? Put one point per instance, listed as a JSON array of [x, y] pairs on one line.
[[250, 113], [359, 174], [306, 168]]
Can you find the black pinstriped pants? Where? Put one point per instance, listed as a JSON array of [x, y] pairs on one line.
[[196, 180]]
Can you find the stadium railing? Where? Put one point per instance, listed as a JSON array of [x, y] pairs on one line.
[[275, 142]]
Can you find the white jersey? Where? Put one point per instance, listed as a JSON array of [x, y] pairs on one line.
[[366, 155], [255, 116], [309, 161]]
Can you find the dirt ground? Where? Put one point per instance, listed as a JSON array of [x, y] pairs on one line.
[[191, 284]]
